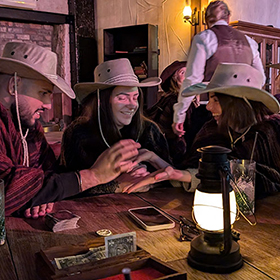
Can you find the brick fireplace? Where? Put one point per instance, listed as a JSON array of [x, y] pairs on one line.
[[26, 32]]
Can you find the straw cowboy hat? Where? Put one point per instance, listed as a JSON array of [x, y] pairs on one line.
[[238, 80], [117, 72], [33, 62], [169, 71]]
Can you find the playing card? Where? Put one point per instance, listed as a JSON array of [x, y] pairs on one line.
[[61, 220]]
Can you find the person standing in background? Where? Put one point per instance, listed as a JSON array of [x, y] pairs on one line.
[[219, 43], [162, 112]]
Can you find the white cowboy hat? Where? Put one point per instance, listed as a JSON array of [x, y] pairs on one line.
[[33, 62], [238, 80], [117, 72]]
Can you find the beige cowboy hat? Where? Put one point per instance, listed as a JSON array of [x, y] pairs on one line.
[[238, 80], [117, 72], [33, 62]]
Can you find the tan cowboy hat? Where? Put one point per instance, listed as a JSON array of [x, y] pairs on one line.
[[117, 72], [238, 80], [33, 62]]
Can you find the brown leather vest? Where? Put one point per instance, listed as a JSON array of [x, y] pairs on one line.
[[232, 47]]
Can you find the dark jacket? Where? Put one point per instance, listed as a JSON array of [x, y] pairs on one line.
[[162, 114], [266, 154]]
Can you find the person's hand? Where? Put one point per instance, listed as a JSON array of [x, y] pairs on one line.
[[38, 211], [168, 173], [145, 155], [128, 179], [152, 158], [110, 164], [178, 129], [139, 170]]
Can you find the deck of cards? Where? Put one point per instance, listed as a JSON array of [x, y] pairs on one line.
[[61, 220]]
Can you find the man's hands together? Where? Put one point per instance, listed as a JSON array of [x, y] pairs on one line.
[[110, 164]]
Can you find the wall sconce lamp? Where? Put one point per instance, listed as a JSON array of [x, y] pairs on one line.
[[191, 16], [214, 210]]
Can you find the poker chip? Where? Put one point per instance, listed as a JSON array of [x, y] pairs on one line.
[[104, 232]]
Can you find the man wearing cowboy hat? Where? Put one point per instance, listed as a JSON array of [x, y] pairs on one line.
[[245, 119], [27, 77]]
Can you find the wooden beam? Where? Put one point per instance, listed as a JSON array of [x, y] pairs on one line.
[[11, 14]]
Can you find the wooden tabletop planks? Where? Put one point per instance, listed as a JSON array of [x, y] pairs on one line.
[[259, 246], [7, 270]]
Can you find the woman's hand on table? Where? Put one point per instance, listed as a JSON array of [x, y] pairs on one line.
[[38, 211], [132, 177], [168, 173]]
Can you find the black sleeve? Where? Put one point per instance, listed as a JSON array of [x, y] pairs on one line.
[[56, 188], [153, 140]]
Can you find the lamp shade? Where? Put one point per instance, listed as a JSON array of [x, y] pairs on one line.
[[187, 12], [208, 210]]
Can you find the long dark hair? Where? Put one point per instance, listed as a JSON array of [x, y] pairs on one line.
[[238, 115], [89, 108]]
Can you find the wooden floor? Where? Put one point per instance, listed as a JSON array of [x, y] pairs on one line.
[[260, 244]]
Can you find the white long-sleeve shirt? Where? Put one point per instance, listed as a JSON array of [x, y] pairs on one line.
[[203, 46]]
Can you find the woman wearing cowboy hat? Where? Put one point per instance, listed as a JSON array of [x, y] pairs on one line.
[[112, 110], [243, 114]]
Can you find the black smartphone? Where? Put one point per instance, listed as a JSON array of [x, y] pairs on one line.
[[151, 219]]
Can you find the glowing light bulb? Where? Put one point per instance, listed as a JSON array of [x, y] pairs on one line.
[[187, 12]]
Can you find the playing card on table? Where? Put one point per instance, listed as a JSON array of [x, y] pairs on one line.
[[119, 244], [61, 220]]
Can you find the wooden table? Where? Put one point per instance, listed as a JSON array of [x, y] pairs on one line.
[[259, 244]]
